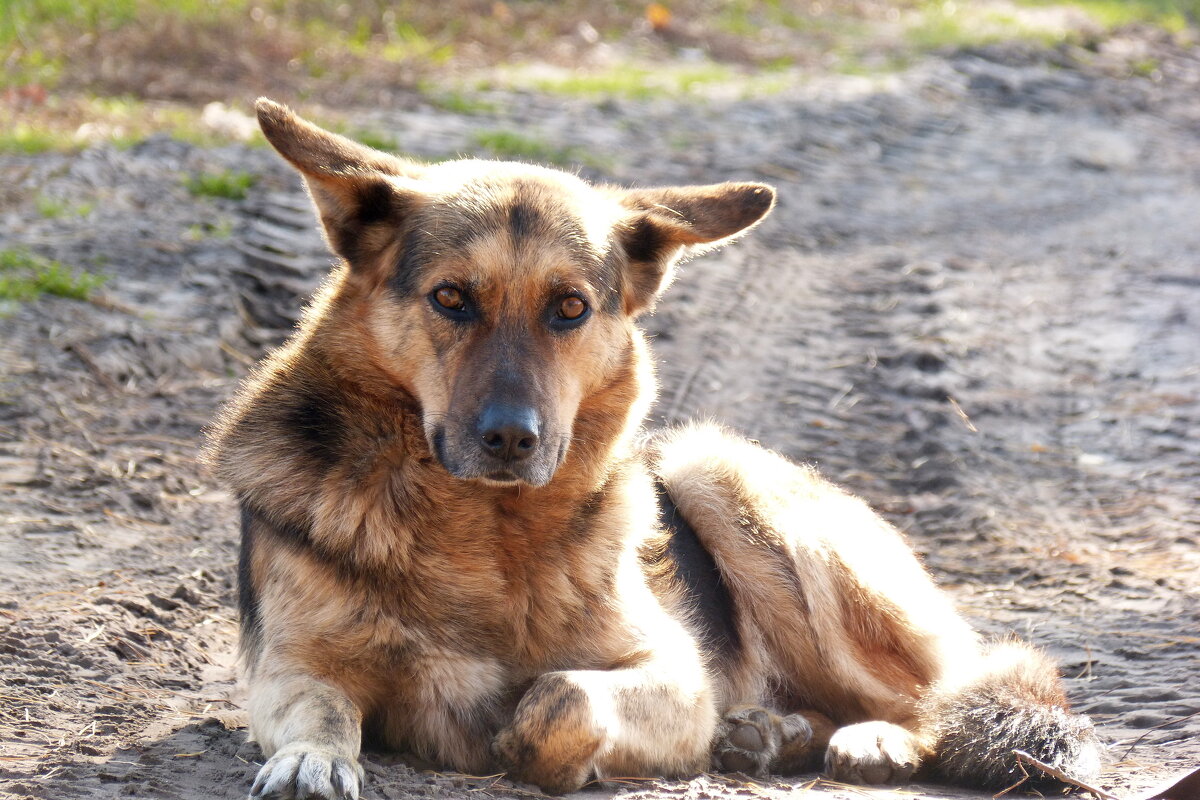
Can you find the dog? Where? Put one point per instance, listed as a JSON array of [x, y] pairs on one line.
[[458, 542]]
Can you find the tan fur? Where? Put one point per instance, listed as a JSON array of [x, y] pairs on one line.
[[402, 579]]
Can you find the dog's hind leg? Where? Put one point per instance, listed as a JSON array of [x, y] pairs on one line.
[[311, 732], [836, 611], [833, 610]]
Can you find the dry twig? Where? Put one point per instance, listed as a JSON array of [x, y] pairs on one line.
[[1024, 758], [84, 354]]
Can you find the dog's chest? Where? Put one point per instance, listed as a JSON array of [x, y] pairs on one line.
[[502, 600]]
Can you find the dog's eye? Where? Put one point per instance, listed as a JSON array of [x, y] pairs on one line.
[[452, 303], [569, 313], [572, 308], [449, 298]]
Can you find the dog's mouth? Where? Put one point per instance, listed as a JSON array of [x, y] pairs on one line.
[[472, 463]]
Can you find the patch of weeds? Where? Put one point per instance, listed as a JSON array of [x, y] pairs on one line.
[[510, 144], [407, 43], [229, 184], [637, 82], [24, 276], [51, 208], [1145, 68], [375, 139], [24, 139], [32, 66], [947, 25], [454, 101], [1170, 15], [748, 18], [207, 230]]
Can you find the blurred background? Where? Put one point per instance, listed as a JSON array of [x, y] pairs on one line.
[[80, 71]]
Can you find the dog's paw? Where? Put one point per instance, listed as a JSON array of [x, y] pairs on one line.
[[300, 770], [553, 736], [872, 752], [752, 740]]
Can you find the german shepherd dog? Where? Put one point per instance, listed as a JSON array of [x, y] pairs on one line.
[[457, 540]]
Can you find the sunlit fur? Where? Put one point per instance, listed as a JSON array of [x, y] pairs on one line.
[[541, 623]]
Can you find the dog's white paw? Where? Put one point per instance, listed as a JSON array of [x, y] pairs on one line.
[[872, 752], [301, 770]]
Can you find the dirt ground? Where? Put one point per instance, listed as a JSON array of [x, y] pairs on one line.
[[977, 305]]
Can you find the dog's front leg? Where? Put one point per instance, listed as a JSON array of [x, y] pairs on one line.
[[656, 719], [311, 732]]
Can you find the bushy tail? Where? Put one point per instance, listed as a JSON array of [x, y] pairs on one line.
[[1015, 702]]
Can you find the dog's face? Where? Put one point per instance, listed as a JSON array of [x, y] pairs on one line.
[[501, 296]]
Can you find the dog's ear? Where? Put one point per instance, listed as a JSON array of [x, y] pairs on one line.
[[362, 194], [669, 224]]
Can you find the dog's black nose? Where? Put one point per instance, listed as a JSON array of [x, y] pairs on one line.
[[510, 433]]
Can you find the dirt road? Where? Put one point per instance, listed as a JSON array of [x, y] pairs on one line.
[[977, 305]]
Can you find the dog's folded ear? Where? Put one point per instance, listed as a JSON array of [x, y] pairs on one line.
[[361, 194], [672, 223]]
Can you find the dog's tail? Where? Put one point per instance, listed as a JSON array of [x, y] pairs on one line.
[[1015, 702]]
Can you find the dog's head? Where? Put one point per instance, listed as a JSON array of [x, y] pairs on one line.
[[501, 296]]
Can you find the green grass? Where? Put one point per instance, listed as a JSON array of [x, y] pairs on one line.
[[24, 277], [1170, 15], [22, 139], [636, 82], [207, 230], [512, 145], [375, 139], [22, 19], [942, 25], [454, 101], [85, 55], [229, 184], [52, 208]]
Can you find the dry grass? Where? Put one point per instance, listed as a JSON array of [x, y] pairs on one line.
[[118, 70], [363, 52]]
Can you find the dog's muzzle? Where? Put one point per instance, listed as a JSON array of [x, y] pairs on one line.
[[506, 444], [508, 434]]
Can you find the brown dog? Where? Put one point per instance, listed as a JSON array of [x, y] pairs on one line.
[[455, 542]]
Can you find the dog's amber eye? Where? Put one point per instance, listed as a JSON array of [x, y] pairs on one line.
[[572, 308], [449, 297]]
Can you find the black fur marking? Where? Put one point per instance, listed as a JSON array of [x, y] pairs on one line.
[[647, 246], [524, 221], [376, 203], [316, 422], [610, 280], [247, 592], [405, 281], [645, 241], [344, 242], [581, 527], [706, 591], [337, 717], [289, 531]]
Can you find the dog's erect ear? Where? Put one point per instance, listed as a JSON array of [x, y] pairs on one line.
[[361, 194], [673, 223]]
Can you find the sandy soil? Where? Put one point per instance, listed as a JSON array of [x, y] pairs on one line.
[[976, 305]]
